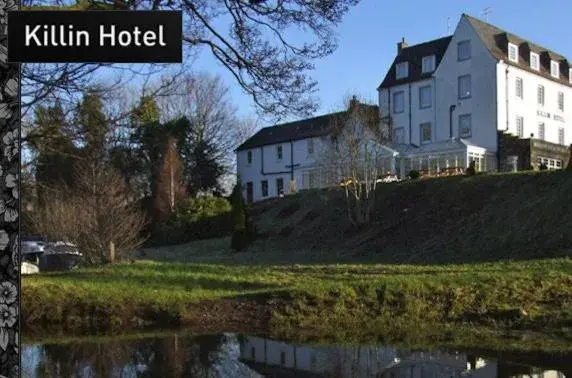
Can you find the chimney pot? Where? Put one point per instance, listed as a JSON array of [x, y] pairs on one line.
[[401, 45]]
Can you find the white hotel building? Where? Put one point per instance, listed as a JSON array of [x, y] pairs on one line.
[[481, 94]]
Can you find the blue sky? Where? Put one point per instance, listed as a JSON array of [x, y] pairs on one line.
[[369, 33]]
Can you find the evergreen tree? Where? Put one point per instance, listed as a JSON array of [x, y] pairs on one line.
[[240, 234], [93, 127]]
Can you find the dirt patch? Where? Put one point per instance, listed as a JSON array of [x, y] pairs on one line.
[[230, 315]]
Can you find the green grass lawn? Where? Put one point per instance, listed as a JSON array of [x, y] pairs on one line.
[[347, 298]]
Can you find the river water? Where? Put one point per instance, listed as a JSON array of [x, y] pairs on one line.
[[236, 355]]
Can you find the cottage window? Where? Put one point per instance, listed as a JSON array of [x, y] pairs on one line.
[[279, 186], [428, 64], [561, 136], [513, 52], [279, 152], [541, 129], [561, 101], [425, 97], [540, 95], [249, 157], [465, 127], [464, 86], [399, 102], [535, 61], [425, 129], [520, 126], [264, 188], [401, 70], [463, 50], [519, 88], [398, 135], [310, 146], [554, 69]]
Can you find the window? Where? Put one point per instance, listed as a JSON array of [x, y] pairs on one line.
[[398, 102], [550, 163], [518, 87], [561, 135], [428, 64], [425, 129], [464, 86], [570, 75], [425, 97], [249, 157], [540, 95], [279, 152], [279, 186], [401, 70], [264, 187], [282, 358], [513, 53], [313, 179], [463, 50], [541, 131], [465, 126], [534, 61], [561, 101], [519, 126], [253, 353], [554, 69], [310, 146], [398, 135]]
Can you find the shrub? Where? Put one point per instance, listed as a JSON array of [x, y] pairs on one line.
[[203, 217], [471, 170], [414, 175], [542, 167]]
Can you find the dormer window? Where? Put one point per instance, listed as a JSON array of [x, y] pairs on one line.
[[401, 70], [534, 61], [554, 69], [513, 52], [570, 75], [428, 64]]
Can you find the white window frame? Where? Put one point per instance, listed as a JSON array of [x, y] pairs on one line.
[[541, 131], [248, 157], [464, 43], [279, 152], [262, 188], [561, 101], [570, 75], [535, 61], [513, 52], [401, 70], [428, 61], [519, 87], [310, 146], [398, 131], [421, 129], [396, 94], [540, 95], [428, 89], [550, 163], [520, 126], [561, 136], [470, 118], [554, 69], [469, 92]]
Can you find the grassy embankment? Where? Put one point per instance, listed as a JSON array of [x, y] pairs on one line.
[[289, 283]]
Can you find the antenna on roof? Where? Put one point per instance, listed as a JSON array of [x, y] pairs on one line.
[[448, 25], [486, 13]]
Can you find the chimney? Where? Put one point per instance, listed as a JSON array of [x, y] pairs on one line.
[[354, 102], [401, 45]]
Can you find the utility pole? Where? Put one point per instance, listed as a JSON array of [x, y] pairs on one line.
[[486, 12]]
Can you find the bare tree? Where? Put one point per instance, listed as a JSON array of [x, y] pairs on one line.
[[252, 39], [95, 212], [354, 154], [169, 187]]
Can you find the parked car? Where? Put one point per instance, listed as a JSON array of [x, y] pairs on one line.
[[60, 256]]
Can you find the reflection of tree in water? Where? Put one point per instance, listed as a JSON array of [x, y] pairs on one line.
[[168, 357]]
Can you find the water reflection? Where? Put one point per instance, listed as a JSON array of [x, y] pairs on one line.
[[230, 355]]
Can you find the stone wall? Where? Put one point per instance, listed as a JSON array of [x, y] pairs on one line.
[[527, 152]]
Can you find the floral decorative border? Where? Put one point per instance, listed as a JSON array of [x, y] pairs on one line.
[[9, 203]]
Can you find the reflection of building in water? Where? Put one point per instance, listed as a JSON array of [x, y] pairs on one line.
[[269, 357]]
